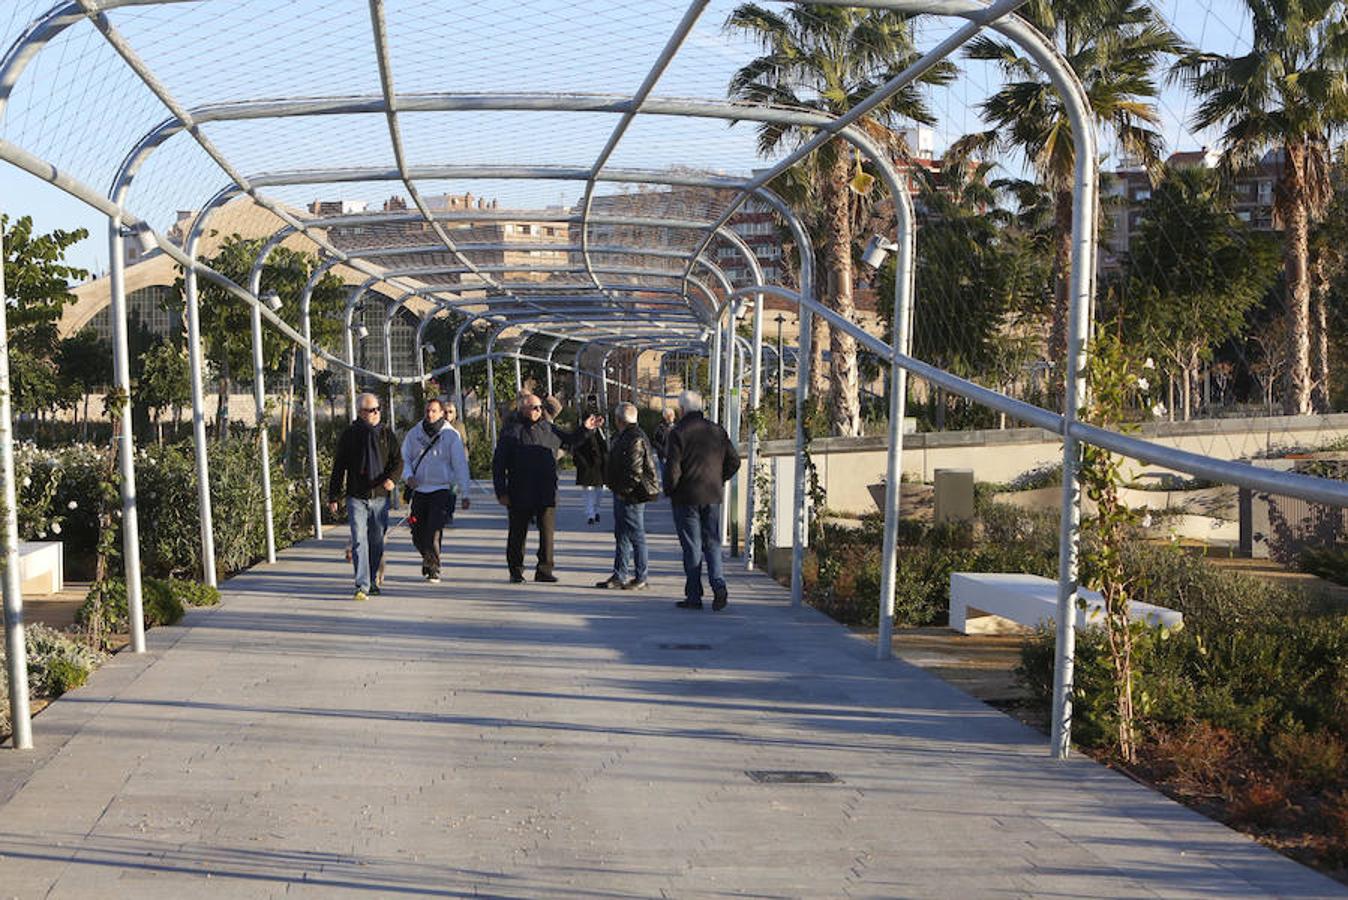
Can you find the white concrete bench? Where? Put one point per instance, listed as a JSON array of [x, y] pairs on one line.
[[41, 567], [983, 602]]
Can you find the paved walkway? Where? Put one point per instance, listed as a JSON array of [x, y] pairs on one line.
[[484, 739]]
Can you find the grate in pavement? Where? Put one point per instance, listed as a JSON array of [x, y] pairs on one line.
[[685, 646], [792, 776]]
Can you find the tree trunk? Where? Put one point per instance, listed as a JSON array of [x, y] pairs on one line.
[[1188, 388], [1296, 254], [1062, 284], [222, 402], [818, 376], [84, 426], [1320, 392], [844, 396]]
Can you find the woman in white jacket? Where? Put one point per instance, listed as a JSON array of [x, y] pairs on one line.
[[435, 465]]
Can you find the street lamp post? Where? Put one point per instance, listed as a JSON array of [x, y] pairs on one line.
[[779, 320]]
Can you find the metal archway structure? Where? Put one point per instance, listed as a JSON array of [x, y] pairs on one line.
[[648, 298]]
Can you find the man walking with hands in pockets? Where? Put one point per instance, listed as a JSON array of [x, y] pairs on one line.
[[363, 469], [699, 458]]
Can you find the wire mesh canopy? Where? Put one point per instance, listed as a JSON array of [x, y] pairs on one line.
[[597, 135]]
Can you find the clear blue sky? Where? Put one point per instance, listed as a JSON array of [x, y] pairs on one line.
[[461, 46]]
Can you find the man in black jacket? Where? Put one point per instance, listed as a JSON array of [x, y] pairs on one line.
[[524, 471], [660, 439], [699, 458], [630, 475], [368, 456]]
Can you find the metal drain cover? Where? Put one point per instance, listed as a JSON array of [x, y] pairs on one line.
[[792, 776], [685, 646]]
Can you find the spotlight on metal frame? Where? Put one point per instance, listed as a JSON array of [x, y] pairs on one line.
[[143, 235], [272, 299], [361, 332], [877, 248], [429, 348]]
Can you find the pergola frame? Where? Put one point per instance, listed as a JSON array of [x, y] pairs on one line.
[[610, 323]]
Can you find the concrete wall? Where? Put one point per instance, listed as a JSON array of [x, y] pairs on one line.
[[853, 469]]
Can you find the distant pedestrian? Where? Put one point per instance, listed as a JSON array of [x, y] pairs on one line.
[[699, 459], [591, 454], [660, 439], [363, 469], [552, 408], [632, 478], [452, 419], [435, 469], [524, 474]]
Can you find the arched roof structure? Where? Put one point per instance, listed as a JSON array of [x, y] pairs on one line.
[[143, 107]]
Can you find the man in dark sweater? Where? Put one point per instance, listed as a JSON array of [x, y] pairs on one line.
[[368, 456], [524, 471], [699, 458]]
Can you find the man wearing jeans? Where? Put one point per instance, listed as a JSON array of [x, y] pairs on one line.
[[699, 458], [630, 475], [367, 458]]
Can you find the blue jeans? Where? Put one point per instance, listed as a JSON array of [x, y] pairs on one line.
[[629, 536], [368, 520], [699, 530]]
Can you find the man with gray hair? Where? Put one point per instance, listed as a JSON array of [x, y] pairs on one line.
[[367, 460], [630, 475], [699, 458]]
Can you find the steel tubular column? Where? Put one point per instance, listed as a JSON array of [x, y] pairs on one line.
[[16, 651], [310, 399], [126, 441], [551, 350], [199, 413], [714, 373], [260, 393]]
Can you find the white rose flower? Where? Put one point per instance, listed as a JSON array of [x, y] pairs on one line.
[[1143, 384], [41, 534], [55, 527], [1146, 520], [72, 505], [27, 482], [1149, 364], [1158, 409]]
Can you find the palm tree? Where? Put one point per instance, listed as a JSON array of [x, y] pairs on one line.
[[829, 59], [1289, 94], [1114, 46]]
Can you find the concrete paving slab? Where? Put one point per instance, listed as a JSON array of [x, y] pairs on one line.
[[477, 738]]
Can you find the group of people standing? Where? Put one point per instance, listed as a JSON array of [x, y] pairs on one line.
[[690, 460]]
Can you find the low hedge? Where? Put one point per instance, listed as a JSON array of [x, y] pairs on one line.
[[57, 662], [163, 600]]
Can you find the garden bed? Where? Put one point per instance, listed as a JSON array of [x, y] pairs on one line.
[[1242, 715]]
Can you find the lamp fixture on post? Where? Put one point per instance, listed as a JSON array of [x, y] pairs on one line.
[[361, 332], [272, 299], [143, 235], [429, 348], [877, 249]]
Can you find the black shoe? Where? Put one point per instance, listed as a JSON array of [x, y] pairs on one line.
[[689, 604], [718, 601], [635, 585], [546, 578], [433, 578], [611, 583], [517, 578], [375, 590]]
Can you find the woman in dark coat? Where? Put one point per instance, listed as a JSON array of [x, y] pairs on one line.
[[591, 454]]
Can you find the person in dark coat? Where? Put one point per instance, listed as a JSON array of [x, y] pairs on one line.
[[632, 478], [699, 458], [591, 454], [660, 440], [524, 473], [367, 460]]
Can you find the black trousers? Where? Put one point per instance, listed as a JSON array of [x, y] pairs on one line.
[[427, 522], [520, 520]]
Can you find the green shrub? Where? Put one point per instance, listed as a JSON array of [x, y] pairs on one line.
[[1330, 563], [161, 605], [194, 593], [57, 662]]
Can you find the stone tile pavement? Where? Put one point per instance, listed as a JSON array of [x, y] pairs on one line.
[[477, 738]]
